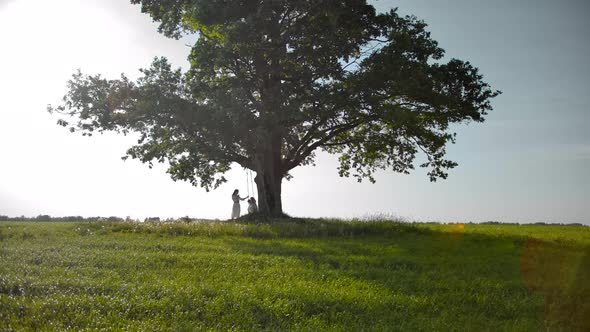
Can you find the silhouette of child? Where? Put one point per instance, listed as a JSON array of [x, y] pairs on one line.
[[252, 207]]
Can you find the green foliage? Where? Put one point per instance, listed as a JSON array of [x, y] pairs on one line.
[[271, 82], [298, 275]]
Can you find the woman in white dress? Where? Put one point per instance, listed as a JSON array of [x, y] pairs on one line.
[[235, 197]]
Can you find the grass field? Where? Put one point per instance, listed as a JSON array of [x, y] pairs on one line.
[[293, 275]]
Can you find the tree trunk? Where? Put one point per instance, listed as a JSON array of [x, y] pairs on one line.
[[268, 158], [269, 195], [269, 177]]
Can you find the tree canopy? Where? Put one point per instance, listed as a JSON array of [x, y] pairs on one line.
[[272, 82]]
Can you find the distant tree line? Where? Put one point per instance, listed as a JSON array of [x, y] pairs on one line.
[[516, 223], [48, 218], [45, 217]]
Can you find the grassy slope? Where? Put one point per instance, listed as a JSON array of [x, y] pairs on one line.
[[301, 275]]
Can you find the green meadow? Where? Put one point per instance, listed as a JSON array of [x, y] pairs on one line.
[[298, 275]]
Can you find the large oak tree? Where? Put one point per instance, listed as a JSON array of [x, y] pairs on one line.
[[272, 81]]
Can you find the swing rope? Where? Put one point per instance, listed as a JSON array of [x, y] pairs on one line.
[[249, 182]]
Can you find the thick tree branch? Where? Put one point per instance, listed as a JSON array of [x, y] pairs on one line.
[[309, 148]]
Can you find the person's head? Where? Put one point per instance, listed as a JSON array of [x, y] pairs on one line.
[[236, 192]]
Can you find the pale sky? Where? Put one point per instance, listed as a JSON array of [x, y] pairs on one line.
[[529, 162]]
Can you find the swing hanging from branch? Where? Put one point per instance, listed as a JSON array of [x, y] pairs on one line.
[[249, 182]]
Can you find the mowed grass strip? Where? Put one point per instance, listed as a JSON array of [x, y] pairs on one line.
[[293, 275]]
